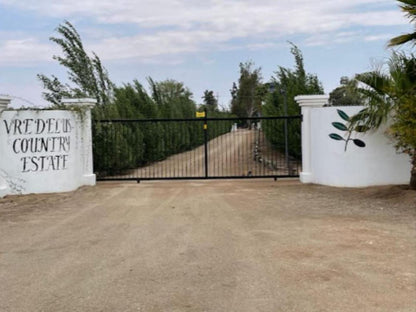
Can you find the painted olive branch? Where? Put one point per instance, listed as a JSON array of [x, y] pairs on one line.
[[343, 127]]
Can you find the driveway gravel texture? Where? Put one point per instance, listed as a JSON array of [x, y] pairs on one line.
[[251, 245]]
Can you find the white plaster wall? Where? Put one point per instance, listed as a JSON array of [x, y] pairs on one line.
[[377, 163], [18, 171]]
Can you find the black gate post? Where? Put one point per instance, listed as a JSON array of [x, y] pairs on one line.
[[206, 142]]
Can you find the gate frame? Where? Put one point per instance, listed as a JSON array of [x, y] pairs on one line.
[[205, 121]]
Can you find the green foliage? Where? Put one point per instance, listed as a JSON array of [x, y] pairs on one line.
[[391, 95], [87, 75], [284, 86], [387, 92], [409, 8], [346, 94], [247, 97], [210, 101], [117, 147]]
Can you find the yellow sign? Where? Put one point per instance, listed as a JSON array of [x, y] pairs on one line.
[[200, 114], [205, 126]]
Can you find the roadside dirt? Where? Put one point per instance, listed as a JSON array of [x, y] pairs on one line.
[[209, 246]]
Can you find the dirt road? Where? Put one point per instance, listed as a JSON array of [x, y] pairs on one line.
[[209, 246], [231, 154]]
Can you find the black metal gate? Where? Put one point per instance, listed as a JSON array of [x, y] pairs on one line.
[[197, 148]]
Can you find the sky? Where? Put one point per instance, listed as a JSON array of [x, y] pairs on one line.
[[199, 43]]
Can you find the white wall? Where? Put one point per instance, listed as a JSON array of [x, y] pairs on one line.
[[44, 151], [377, 163]]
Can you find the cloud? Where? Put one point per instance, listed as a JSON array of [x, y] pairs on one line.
[[26, 51], [383, 37], [260, 14], [24, 95], [330, 39], [156, 28]]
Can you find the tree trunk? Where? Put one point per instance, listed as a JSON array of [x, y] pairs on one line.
[[413, 172]]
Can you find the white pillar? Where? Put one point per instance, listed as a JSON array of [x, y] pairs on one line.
[[307, 103], [4, 186], [85, 105]]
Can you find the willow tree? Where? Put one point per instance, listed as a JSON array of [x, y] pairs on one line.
[[86, 74]]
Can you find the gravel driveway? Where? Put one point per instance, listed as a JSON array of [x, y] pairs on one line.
[[209, 246]]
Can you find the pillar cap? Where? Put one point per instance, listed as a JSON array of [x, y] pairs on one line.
[[312, 100], [4, 102], [83, 102]]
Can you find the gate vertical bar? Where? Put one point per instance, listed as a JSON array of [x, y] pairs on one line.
[[206, 142], [286, 133]]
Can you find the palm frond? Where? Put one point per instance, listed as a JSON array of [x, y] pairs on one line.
[[408, 7], [402, 39]]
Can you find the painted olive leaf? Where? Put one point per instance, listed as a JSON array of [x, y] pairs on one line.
[[335, 136], [362, 128], [343, 115], [340, 126], [359, 143]]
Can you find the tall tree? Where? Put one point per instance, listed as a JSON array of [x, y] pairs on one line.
[[210, 101], [246, 99], [87, 75], [282, 89], [288, 83], [391, 95], [409, 8], [346, 94], [173, 98]]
